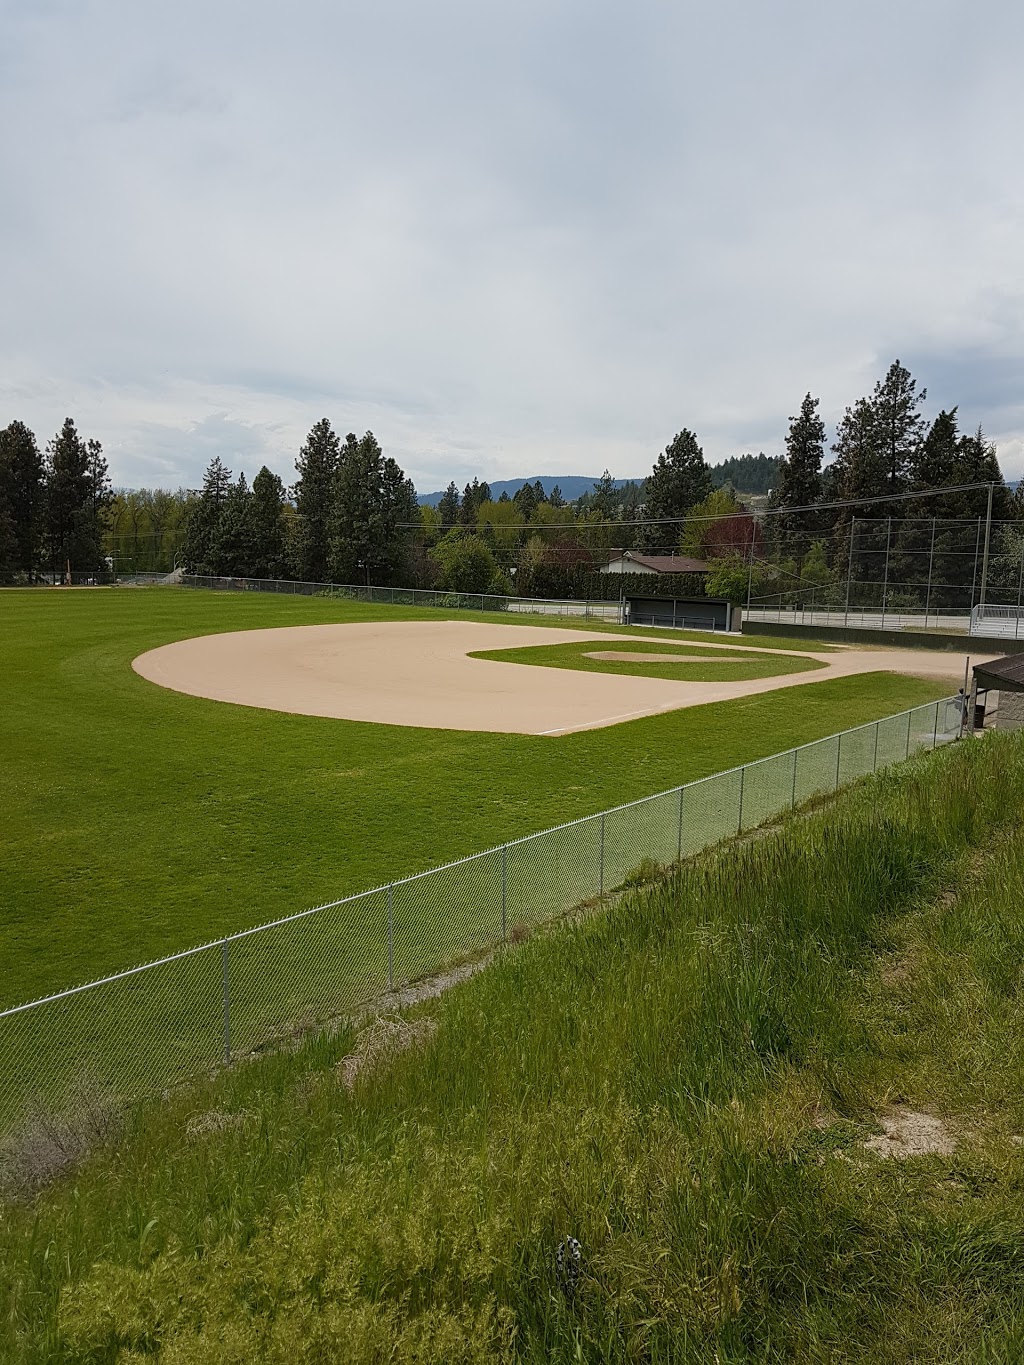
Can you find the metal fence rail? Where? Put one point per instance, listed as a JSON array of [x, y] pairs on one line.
[[139, 1031], [415, 597], [991, 620]]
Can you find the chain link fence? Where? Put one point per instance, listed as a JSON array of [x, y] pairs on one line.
[[415, 597], [141, 1031]]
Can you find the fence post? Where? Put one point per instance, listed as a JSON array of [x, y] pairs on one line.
[[227, 1002], [839, 755], [504, 892], [391, 937], [601, 881], [874, 761], [679, 848], [739, 827], [907, 754], [792, 798], [935, 732]]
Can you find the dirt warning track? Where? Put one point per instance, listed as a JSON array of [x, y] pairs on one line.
[[418, 673]]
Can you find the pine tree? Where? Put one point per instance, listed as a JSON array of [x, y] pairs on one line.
[[268, 525], [899, 425], [605, 499], [680, 479], [448, 507], [526, 501], [375, 506], [234, 542], [77, 495], [22, 471], [799, 483], [555, 498], [314, 491], [200, 547]]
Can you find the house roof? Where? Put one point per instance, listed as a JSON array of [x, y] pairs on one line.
[[666, 563], [1007, 674]]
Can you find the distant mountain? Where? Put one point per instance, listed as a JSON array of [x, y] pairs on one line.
[[573, 486]]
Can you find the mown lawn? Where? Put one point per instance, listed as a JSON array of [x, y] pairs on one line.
[[719, 665], [138, 821], [687, 1083]]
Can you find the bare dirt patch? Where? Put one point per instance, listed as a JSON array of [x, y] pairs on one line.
[[909, 1132]]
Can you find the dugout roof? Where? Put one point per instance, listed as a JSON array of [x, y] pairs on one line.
[[1002, 675]]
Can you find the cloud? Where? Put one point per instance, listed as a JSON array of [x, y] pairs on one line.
[[534, 238]]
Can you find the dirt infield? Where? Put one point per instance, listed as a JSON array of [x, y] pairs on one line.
[[418, 673]]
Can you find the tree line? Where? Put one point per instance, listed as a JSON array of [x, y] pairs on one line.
[[53, 503], [764, 524]]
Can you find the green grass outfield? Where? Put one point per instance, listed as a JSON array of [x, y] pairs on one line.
[[687, 1082], [138, 821], [720, 665]]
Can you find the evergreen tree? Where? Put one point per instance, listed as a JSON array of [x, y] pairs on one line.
[[375, 506], [317, 467], [21, 469], [526, 501], [605, 499], [8, 538], [268, 525], [472, 496], [200, 547], [448, 507], [680, 479], [935, 459], [799, 483], [77, 495], [234, 543], [556, 498], [538, 492], [898, 423]]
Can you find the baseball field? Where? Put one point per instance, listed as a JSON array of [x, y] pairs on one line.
[[140, 819]]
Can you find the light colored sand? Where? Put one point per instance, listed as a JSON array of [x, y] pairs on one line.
[[625, 657], [418, 673]]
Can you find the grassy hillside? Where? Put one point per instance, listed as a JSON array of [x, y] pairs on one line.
[[693, 1085], [138, 821]]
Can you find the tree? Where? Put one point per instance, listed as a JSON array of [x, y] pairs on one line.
[[680, 479], [526, 501], [21, 471], [77, 495], [465, 562], [605, 500], [719, 527], [374, 509], [234, 541], [314, 491], [200, 548], [448, 507], [473, 495], [899, 425], [556, 499], [732, 577], [8, 538], [799, 483], [268, 525]]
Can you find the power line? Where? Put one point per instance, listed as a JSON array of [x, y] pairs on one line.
[[755, 514]]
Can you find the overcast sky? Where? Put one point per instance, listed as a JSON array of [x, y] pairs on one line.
[[512, 239]]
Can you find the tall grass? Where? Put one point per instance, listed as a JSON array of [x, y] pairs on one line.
[[681, 1083]]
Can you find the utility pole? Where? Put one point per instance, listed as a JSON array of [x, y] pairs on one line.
[[988, 538], [928, 593]]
